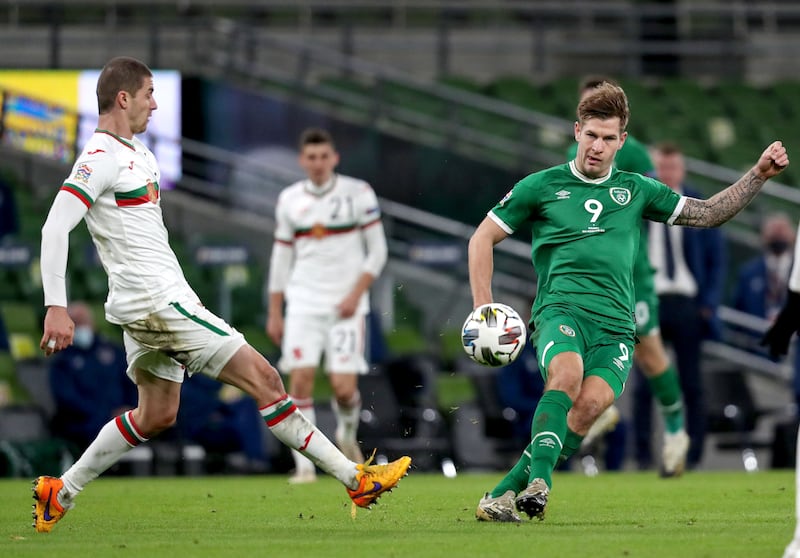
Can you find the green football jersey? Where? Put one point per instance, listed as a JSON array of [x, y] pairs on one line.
[[586, 235], [633, 157]]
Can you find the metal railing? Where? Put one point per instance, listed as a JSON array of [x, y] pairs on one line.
[[356, 90]]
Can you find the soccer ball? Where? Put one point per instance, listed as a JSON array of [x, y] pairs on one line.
[[493, 334]]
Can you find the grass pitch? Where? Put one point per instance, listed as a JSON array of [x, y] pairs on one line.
[[703, 514]]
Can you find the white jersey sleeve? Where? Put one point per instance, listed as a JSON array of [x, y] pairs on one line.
[[65, 213], [374, 235]]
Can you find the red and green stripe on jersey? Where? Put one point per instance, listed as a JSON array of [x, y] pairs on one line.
[[138, 196], [78, 192], [129, 430], [276, 411], [320, 231], [147, 193]]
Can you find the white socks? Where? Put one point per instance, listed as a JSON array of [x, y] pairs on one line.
[[115, 439], [294, 429], [303, 465]]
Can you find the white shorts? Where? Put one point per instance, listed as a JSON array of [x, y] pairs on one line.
[[181, 337], [307, 337]]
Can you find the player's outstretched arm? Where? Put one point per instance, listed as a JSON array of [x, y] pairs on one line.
[[724, 205], [481, 260], [64, 215]]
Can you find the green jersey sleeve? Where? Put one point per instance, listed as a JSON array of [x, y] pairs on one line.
[[662, 203], [519, 205]]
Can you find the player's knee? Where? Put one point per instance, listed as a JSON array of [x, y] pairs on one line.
[[343, 390], [264, 382], [586, 410], [566, 383], [154, 421]]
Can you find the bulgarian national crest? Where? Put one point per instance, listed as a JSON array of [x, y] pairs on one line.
[[152, 192], [620, 195]]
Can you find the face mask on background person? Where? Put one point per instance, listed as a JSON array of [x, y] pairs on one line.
[[83, 337], [777, 246]]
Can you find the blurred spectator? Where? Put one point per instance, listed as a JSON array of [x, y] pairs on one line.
[[88, 380], [9, 223], [690, 270], [223, 421], [762, 282]]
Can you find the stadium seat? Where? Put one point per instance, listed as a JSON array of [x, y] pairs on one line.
[[483, 435], [399, 414], [732, 412], [26, 447]]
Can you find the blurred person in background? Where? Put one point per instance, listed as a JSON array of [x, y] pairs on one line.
[[762, 281], [690, 269], [329, 248], [776, 340]]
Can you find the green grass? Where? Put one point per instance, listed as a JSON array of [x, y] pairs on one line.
[[706, 514]]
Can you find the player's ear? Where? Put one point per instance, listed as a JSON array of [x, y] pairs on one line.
[[122, 99], [577, 130]]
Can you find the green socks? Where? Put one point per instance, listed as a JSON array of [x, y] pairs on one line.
[[572, 442], [548, 433], [551, 414], [666, 389], [517, 478]]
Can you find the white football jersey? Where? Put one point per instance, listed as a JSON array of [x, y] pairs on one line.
[[117, 179], [324, 226]]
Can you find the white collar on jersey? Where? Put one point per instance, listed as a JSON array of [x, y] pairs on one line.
[[579, 175], [315, 190]]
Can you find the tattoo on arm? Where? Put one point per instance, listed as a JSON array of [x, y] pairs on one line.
[[722, 206]]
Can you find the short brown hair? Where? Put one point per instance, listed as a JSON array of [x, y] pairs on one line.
[[119, 74], [316, 136], [607, 101], [668, 148]]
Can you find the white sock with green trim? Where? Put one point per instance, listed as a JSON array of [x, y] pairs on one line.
[[294, 430], [302, 464], [115, 439]]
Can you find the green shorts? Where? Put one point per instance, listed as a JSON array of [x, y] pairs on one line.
[[606, 351], [644, 291], [646, 309]]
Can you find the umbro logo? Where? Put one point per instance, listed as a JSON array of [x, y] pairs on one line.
[[562, 195]]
